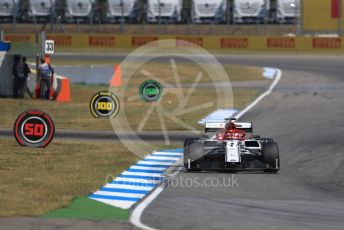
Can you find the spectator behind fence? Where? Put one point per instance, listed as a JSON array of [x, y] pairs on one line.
[[19, 78], [46, 73]]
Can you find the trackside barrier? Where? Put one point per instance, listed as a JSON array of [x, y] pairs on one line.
[[229, 43]]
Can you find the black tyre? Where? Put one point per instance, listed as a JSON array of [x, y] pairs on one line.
[[191, 149], [270, 156], [187, 142], [266, 140]]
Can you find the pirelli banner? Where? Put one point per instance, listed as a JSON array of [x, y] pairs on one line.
[[19, 38], [251, 43], [101, 42]]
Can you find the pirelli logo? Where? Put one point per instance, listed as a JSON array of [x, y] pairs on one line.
[[61, 40], [101, 41], [143, 40], [189, 41], [327, 43], [234, 43], [283, 43], [17, 38]]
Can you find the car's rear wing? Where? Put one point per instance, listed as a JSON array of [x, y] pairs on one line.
[[246, 126], [215, 126]]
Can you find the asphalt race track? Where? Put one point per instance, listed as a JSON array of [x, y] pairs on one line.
[[174, 136], [327, 65], [305, 115]]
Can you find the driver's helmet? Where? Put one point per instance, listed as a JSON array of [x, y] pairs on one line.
[[231, 132]]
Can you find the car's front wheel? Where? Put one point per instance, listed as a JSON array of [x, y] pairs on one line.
[[270, 156]]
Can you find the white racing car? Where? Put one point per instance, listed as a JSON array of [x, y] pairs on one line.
[[232, 146]]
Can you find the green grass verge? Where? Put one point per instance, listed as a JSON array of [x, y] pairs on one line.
[[84, 208], [76, 115], [36, 181]]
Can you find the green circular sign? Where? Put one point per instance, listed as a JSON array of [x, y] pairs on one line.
[[151, 91]]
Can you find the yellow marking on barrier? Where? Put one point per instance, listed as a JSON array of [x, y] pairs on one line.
[[319, 15]]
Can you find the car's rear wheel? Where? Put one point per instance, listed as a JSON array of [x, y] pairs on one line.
[[191, 148], [270, 156]]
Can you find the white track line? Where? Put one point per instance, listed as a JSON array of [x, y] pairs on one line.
[[169, 153], [132, 187], [135, 217], [278, 76], [147, 168], [121, 194], [147, 162], [137, 181]]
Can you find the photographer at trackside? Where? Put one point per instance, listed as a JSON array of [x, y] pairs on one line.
[[46, 73], [19, 77], [27, 71]]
